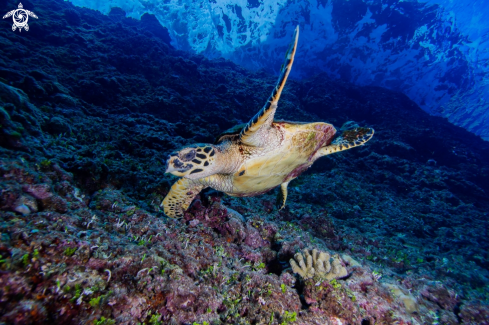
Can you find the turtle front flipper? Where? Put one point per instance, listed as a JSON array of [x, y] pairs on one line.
[[250, 134], [8, 14], [349, 139], [30, 13], [182, 193]]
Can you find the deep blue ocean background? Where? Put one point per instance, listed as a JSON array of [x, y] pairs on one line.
[[95, 95], [436, 51]]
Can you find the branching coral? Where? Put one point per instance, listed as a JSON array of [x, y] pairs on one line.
[[316, 263]]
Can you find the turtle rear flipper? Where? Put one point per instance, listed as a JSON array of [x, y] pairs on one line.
[[250, 134], [282, 195], [349, 139], [182, 193]]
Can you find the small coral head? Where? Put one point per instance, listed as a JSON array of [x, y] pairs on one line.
[[192, 162]]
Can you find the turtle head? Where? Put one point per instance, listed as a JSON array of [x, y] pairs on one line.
[[192, 162]]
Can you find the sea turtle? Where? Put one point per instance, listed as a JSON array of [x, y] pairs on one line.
[[254, 158], [20, 17]]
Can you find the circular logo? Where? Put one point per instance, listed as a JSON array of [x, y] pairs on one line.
[[20, 18]]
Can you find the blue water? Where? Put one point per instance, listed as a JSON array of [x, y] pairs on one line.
[[436, 52], [102, 116]]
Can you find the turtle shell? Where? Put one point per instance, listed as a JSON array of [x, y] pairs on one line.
[[267, 167], [232, 133]]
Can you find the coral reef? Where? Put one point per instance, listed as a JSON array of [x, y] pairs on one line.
[[320, 264], [88, 120]]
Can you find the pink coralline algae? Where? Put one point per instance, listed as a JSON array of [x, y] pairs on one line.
[[84, 138], [71, 256]]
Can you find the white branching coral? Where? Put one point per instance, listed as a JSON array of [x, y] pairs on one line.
[[316, 263]]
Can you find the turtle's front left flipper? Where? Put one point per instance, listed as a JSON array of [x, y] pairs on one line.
[[349, 139], [251, 133], [182, 193]]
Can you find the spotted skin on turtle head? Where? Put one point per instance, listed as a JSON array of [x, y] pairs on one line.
[[192, 162]]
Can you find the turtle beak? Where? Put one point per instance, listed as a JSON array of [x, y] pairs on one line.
[[172, 161], [167, 164]]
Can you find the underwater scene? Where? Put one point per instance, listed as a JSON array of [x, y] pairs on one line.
[[244, 162]]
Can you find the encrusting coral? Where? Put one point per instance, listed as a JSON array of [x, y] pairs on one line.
[[83, 239], [319, 264]]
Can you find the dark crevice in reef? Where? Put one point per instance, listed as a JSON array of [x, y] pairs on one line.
[[276, 266], [365, 322], [300, 287]]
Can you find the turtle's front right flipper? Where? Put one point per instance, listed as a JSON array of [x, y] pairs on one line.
[[250, 134], [30, 13], [348, 139], [180, 197]]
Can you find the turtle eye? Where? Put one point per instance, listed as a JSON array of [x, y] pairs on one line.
[[177, 163], [187, 156]]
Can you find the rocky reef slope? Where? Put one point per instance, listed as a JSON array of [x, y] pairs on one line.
[[91, 105]]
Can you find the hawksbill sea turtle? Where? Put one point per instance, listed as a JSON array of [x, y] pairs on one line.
[[253, 158], [20, 17]]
